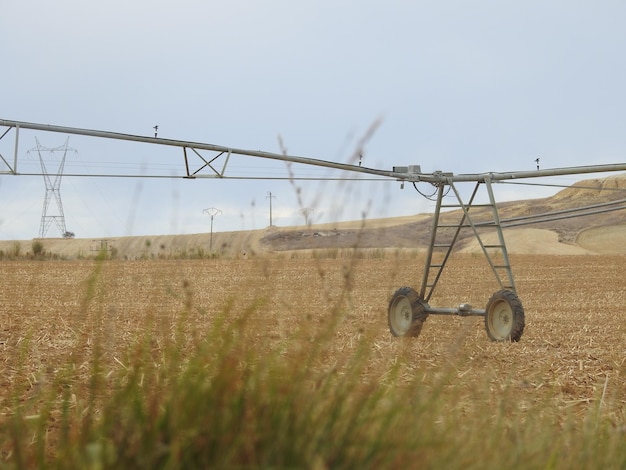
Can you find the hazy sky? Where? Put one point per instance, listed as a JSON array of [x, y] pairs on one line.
[[457, 86]]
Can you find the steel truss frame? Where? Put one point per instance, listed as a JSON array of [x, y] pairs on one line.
[[408, 308]]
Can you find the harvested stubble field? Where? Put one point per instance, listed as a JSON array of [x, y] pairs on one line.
[[569, 364]]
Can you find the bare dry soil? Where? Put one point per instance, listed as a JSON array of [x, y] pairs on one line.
[[572, 351]]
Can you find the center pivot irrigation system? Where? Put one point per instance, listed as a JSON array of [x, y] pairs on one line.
[[408, 307]]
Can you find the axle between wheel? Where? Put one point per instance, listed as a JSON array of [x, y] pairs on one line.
[[504, 314]]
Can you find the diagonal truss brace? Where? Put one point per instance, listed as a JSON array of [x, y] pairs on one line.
[[496, 254], [207, 163], [12, 168]]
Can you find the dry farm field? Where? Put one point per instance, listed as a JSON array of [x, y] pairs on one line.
[[572, 352]]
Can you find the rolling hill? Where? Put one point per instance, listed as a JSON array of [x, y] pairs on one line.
[[601, 229]]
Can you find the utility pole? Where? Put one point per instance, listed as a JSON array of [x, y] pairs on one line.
[[270, 197], [212, 211], [305, 212]]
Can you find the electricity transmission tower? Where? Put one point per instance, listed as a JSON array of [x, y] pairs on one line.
[[53, 191]]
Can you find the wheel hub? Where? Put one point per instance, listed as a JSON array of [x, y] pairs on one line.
[[501, 320]]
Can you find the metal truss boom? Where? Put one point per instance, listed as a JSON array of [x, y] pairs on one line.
[[410, 174]]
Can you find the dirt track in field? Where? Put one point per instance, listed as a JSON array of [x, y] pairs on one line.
[[573, 349]]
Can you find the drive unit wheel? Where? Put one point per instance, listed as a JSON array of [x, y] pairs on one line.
[[406, 313], [504, 316]]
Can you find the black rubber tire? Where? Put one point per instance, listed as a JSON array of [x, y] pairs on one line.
[[504, 316], [406, 313]]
